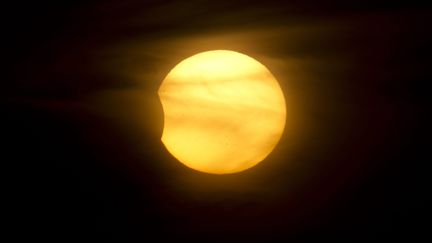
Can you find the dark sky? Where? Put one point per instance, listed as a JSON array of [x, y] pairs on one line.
[[83, 155]]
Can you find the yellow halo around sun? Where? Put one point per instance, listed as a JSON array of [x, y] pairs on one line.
[[224, 112]]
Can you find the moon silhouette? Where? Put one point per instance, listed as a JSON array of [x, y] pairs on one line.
[[224, 112]]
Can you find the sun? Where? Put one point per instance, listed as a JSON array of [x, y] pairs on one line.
[[224, 112]]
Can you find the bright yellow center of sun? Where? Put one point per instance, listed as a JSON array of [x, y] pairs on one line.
[[224, 112]]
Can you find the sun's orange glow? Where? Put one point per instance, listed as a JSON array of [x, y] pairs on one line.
[[224, 112]]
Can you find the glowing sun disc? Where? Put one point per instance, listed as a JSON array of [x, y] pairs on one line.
[[224, 112]]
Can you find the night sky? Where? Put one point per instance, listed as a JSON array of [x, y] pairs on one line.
[[82, 121]]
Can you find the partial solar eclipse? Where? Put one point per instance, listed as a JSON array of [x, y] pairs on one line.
[[224, 112]]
